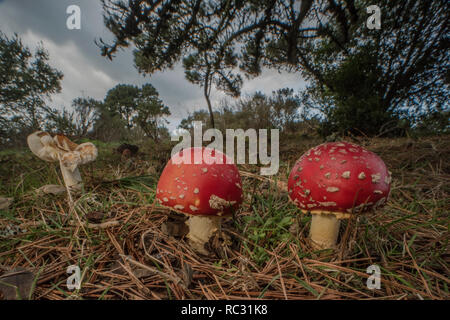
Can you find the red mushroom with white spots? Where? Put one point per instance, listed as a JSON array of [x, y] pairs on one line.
[[334, 181], [205, 190]]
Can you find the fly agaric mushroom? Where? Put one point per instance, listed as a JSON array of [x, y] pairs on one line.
[[334, 181], [205, 191], [69, 154]]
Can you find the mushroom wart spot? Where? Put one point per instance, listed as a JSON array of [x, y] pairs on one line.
[[311, 205], [328, 175], [343, 151], [346, 174], [181, 196], [196, 190], [307, 192], [317, 159], [299, 169], [218, 203], [165, 199], [333, 158], [332, 189], [340, 144], [378, 192], [193, 208], [353, 150], [178, 207], [376, 178], [238, 185], [328, 204], [387, 179], [361, 176], [321, 167], [343, 161], [205, 170]]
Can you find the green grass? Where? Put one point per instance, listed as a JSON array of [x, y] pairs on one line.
[[270, 256]]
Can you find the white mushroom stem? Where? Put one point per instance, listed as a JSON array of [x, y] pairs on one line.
[[201, 229], [72, 179], [324, 231]]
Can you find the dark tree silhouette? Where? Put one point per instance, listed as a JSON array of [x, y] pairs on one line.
[[356, 73], [26, 80]]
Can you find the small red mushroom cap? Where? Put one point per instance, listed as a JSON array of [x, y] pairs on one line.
[[205, 188], [339, 177]]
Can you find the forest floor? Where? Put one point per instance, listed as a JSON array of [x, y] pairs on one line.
[[129, 247]]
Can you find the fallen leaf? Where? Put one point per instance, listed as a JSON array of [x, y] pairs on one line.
[[16, 284], [175, 226], [5, 203], [95, 216], [54, 189]]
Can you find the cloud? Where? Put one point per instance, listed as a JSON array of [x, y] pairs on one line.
[[80, 76], [87, 73]]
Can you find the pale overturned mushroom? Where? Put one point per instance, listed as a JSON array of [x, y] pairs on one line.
[[69, 154], [334, 181], [205, 192]]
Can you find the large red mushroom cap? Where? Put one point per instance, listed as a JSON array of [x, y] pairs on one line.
[[340, 178], [209, 188]]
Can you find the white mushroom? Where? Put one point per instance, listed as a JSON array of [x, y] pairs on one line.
[[69, 155]]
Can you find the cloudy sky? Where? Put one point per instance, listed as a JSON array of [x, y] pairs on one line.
[[87, 73]]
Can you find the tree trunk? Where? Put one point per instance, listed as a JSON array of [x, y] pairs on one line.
[[208, 102]]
